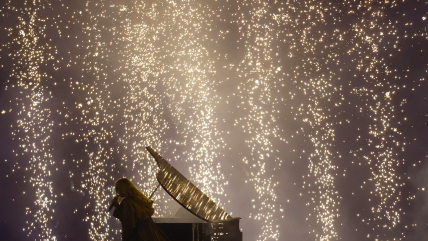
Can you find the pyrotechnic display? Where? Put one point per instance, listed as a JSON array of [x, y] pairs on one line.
[[306, 119]]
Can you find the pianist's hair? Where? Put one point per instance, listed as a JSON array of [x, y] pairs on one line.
[[125, 188]]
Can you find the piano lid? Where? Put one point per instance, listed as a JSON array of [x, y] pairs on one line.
[[186, 193]]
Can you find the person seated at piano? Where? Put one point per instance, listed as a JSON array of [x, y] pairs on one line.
[[134, 210]]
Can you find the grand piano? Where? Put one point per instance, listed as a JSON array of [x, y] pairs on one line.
[[198, 218]]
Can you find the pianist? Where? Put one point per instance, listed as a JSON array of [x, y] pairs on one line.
[[134, 210]]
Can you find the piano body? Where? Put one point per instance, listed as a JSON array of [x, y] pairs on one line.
[[198, 218]]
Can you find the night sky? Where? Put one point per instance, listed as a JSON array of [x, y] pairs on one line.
[[307, 119]]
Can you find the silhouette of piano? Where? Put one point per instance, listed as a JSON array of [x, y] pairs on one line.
[[200, 218]]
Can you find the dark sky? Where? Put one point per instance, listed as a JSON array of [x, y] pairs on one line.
[[307, 119]]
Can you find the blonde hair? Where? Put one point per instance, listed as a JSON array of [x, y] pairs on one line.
[[125, 188]]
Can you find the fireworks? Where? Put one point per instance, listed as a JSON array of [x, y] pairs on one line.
[[277, 102]]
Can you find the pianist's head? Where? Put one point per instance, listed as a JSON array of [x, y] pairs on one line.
[[125, 188]]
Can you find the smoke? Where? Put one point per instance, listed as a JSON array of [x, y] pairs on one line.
[[417, 199]]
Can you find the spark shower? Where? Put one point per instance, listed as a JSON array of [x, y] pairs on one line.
[[305, 118]]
